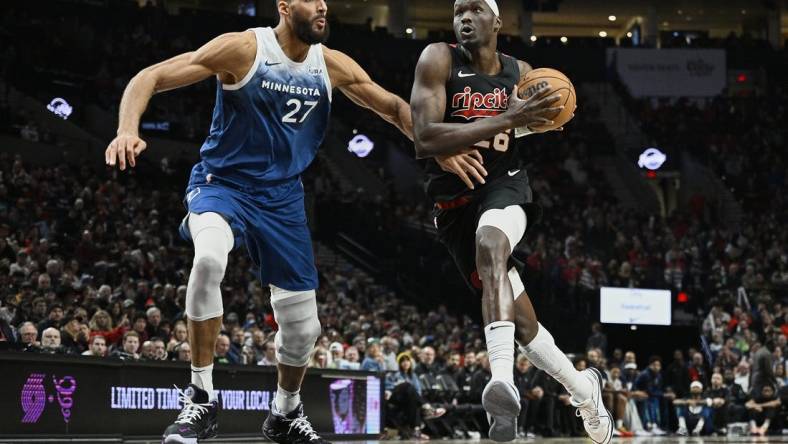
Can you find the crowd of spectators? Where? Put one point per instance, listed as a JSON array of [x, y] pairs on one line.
[[90, 262]]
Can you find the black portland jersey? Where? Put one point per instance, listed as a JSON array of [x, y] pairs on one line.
[[469, 96]]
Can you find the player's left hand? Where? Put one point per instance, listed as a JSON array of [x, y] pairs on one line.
[[124, 149], [464, 165], [561, 128]]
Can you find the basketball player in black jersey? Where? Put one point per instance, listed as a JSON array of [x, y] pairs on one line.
[[465, 111]]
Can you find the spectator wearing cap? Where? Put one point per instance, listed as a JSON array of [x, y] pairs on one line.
[[694, 412], [54, 318], [98, 347], [335, 354], [28, 337], [373, 359], [72, 337]]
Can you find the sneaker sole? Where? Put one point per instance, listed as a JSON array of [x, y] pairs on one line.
[[503, 428], [178, 439], [610, 422], [213, 432], [497, 400]]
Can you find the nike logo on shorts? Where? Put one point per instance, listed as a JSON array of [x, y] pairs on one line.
[[512, 173], [462, 74]]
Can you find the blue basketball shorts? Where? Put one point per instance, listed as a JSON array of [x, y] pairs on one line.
[[269, 220]]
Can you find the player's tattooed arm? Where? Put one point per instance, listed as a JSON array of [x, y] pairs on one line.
[[356, 84], [228, 56]]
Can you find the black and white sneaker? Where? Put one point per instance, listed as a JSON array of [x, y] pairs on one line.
[[197, 419], [293, 428]]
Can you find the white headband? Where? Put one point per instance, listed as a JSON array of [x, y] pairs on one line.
[[494, 7]]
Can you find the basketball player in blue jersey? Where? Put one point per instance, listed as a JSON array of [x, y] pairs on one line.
[[272, 107], [465, 95]]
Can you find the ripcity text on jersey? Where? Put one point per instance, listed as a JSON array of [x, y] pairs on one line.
[[471, 95]]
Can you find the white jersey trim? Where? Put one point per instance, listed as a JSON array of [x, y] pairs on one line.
[[255, 64], [326, 77]]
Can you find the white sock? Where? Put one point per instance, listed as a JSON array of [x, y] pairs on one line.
[[543, 353], [286, 401], [202, 377], [500, 349], [682, 423], [619, 423]]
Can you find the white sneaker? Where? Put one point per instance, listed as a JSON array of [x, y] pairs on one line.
[[501, 401], [682, 431], [642, 433], [596, 419], [656, 431]]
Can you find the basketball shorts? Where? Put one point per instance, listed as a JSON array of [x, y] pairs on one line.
[[457, 225], [269, 220]]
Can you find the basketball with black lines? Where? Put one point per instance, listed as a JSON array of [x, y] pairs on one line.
[[537, 81]]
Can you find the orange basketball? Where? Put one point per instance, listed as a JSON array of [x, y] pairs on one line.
[[539, 79]]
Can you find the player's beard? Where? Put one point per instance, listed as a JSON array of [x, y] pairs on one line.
[[306, 33]]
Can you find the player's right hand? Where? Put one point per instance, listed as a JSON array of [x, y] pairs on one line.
[[464, 164], [530, 112], [124, 149]]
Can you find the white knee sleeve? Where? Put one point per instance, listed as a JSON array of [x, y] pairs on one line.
[[512, 221], [213, 241], [299, 326]]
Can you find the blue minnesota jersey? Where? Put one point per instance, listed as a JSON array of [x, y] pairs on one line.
[[267, 127]]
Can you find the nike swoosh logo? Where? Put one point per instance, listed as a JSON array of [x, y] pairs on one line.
[[513, 173], [267, 63], [462, 74]]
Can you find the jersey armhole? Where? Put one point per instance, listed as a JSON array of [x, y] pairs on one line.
[[326, 77], [255, 64]]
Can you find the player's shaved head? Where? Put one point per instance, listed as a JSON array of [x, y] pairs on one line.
[[307, 19]]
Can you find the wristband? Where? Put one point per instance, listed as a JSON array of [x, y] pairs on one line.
[[522, 132]]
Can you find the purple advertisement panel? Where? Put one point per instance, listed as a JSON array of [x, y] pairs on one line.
[[45, 395]]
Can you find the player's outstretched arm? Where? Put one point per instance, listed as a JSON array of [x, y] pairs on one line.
[[355, 83], [229, 56]]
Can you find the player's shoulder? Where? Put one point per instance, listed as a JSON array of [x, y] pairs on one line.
[[342, 69], [436, 51], [524, 66]]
